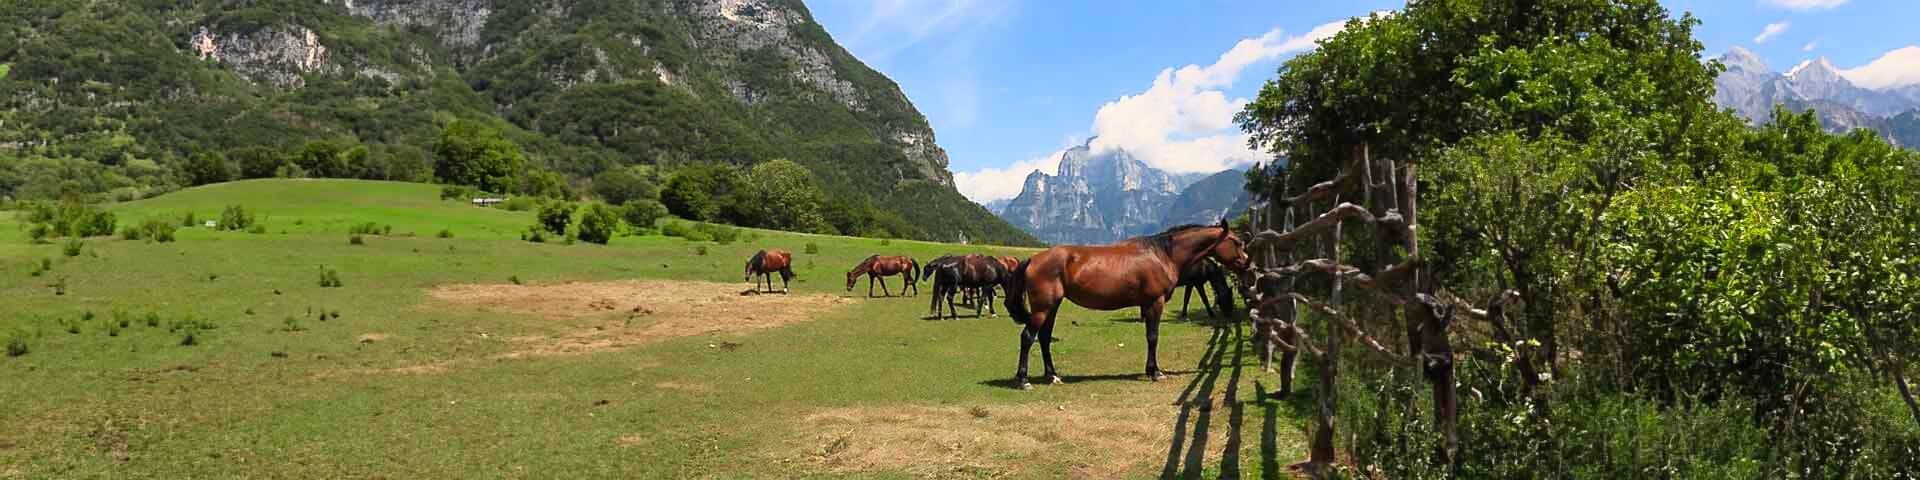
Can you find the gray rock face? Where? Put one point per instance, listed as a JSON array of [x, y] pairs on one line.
[[273, 56], [1208, 200], [1095, 198], [1752, 89]]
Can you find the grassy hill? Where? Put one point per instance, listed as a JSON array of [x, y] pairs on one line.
[[403, 383], [127, 92]]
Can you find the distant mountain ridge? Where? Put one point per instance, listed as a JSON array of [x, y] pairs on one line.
[[1097, 197], [1752, 89]]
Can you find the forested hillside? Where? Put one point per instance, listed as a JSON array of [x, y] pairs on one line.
[[115, 99]]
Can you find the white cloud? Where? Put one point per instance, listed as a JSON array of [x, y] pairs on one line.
[[1810, 46], [1806, 4], [989, 184], [1772, 30], [1182, 122], [1897, 68]]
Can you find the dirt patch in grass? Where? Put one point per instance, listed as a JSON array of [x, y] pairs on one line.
[[621, 314], [690, 387], [1100, 437]]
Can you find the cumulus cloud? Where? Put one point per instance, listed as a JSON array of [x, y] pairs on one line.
[[1772, 30], [1182, 122], [1806, 4], [989, 184], [1897, 68]]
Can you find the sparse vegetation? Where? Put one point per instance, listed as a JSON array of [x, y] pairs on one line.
[[236, 218], [72, 247], [329, 278], [17, 343], [813, 248], [356, 239], [444, 233]]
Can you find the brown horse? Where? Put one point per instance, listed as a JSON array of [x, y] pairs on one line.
[[877, 268], [1136, 272], [765, 263]]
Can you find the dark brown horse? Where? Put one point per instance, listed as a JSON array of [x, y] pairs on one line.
[[766, 263], [877, 268], [953, 274], [1199, 276], [1136, 272]]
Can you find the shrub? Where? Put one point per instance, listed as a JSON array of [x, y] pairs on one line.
[[368, 228], [329, 278], [620, 186], [719, 233], [156, 230], [535, 235], [700, 250], [72, 247], [189, 220], [113, 329], [556, 216], [813, 248], [886, 242], [356, 240], [642, 214], [46, 265], [153, 319], [598, 224], [257, 229], [445, 233], [459, 192], [515, 279], [17, 344], [130, 233], [190, 338], [676, 229], [66, 219]]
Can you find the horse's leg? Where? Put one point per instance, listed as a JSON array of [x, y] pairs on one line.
[[1046, 351], [1188, 299], [785, 283], [1203, 301], [1026, 346], [869, 286], [994, 313], [883, 285], [1150, 313], [954, 312]]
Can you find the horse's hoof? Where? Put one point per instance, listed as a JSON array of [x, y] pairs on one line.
[[1055, 379], [1024, 385], [1157, 376]]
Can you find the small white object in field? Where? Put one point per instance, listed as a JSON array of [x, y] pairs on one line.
[[211, 224]]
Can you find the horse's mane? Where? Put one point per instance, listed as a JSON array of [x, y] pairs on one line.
[[1164, 240], [865, 265], [759, 258]]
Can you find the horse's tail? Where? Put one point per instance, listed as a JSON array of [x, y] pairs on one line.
[[1016, 286], [1222, 293], [913, 270]]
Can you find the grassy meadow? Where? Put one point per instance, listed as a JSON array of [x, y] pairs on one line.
[[378, 378]]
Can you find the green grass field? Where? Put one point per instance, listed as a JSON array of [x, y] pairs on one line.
[[863, 389]]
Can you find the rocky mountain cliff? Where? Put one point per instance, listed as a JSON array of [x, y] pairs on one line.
[[1100, 197], [583, 85], [1752, 89]]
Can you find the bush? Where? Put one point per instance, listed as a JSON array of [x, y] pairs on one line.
[[257, 229], [368, 228], [813, 248], [556, 216], [642, 214], [188, 220], [445, 233], [535, 235], [67, 219], [598, 224], [356, 239], [72, 247], [515, 279], [459, 192], [329, 278], [719, 233], [17, 344], [700, 250], [235, 218], [156, 230], [46, 265], [621, 186], [702, 192], [153, 319]]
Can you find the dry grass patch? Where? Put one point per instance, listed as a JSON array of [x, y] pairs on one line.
[[1102, 437], [689, 387], [622, 314]]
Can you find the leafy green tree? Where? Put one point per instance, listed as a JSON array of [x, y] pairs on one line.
[[256, 161], [207, 167], [621, 185], [785, 196], [474, 154], [330, 158], [642, 214], [598, 223], [702, 191], [556, 216], [545, 183]]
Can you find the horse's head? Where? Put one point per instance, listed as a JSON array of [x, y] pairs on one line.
[[853, 276], [1230, 251]]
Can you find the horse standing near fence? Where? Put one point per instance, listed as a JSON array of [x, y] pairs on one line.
[[765, 263], [1136, 272], [1199, 276], [878, 268]]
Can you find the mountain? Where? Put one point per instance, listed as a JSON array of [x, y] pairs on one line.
[[1100, 197], [1752, 89], [1206, 201], [581, 85]]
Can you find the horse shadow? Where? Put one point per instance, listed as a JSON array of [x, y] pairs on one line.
[[1221, 369]]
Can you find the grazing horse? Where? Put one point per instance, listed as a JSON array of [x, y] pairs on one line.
[[1198, 276], [954, 273], [1136, 272], [765, 263], [877, 268]]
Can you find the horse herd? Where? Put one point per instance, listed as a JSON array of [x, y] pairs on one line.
[[1140, 272]]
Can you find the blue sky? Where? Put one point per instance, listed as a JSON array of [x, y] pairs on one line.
[[1007, 84]]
